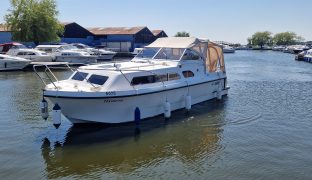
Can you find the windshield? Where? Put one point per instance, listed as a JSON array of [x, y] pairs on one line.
[[147, 53], [170, 53]]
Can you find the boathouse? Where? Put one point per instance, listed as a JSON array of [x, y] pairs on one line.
[[122, 39], [5, 34], [74, 33], [159, 33]]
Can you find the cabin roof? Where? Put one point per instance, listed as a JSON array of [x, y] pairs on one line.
[[116, 30]]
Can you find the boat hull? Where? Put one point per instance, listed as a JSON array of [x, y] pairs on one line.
[[228, 50], [13, 65], [121, 109], [77, 59], [105, 57]]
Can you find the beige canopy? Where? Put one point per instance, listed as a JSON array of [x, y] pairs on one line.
[[211, 52]]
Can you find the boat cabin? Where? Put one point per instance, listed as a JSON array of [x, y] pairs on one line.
[[4, 48]]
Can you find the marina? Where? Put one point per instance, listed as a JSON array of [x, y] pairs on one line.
[[145, 90], [237, 137]]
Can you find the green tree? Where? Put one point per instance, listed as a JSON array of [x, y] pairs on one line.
[[182, 34], [261, 39], [34, 21], [287, 38]]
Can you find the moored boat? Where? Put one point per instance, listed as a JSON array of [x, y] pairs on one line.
[[308, 56], [228, 49], [74, 57], [32, 54], [169, 74], [8, 63]]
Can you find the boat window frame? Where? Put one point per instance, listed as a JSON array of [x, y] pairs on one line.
[[192, 51], [160, 50], [79, 74], [101, 83], [158, 78], [187, 72], [142, 51]]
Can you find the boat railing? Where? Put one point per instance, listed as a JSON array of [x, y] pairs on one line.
[[50, 77]]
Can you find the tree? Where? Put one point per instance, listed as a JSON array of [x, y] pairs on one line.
[[261, 39], [182, 34], [34, 21], [287, 38]]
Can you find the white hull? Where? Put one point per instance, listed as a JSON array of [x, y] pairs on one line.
[[228, 50], [106, 57], [41, 59], [13, 65], [121, 109], [77, 59]]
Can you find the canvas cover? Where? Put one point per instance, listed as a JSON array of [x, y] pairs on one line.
[[211, 52], [174, 42]]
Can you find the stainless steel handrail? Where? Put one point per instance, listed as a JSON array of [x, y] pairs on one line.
[[48, 71]]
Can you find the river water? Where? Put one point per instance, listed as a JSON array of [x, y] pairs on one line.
[[262, 130]]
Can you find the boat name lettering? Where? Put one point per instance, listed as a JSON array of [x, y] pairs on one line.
[[112, 100]]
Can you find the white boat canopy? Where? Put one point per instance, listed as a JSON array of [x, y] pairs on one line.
[[211, 52]]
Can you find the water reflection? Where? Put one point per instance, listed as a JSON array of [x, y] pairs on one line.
[[125, 148]]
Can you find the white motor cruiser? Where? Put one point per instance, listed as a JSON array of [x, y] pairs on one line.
[[68, 53], [74, 57], [169, 74], [12, 63], [308, 56], [32, 54], [102, 54], [228, 49]]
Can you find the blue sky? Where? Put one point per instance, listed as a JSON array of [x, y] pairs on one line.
[[228, 20]]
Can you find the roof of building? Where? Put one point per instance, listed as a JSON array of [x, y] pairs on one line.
[[4, 28], [115, 30], [156, 32], [66, 23]]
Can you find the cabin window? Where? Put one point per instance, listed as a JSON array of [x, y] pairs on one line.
[[190, 55], [162, 77], [80, 76], [154, 78], [169, 53], [97, 79], [144, 80], [30, 53], [147, 53], [188, 74], [173, 76], [20, 53]]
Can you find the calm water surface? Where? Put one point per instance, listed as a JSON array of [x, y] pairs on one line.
[[262, 130]]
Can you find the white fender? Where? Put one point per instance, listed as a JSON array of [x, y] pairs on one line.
[[44, 109], [167, 112], [56, 116]]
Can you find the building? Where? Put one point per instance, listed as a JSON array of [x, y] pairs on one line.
[[122, 39], [5, 34], [74, 33], [159, 33]]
